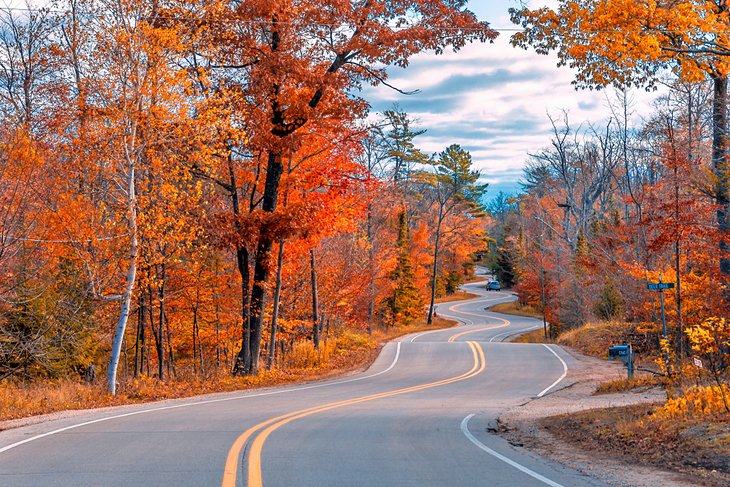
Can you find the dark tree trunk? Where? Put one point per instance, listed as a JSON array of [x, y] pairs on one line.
[[435, 269], [243, 264], [677, 265], [262, 267], [171, 371], [315, 299], [139, 343], [243, 359], [195, 339], [161, 325], [719, 165], [157, 334], [217, 337], [275, 315]]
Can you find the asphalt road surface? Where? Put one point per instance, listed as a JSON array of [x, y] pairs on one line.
[[418, 417]]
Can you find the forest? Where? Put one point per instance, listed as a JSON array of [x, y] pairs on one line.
[[190, 190], [626, 223]]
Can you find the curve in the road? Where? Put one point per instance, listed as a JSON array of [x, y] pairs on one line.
[[203, 403], [265, 428], [565, 372], [414, 439], [453, 337]]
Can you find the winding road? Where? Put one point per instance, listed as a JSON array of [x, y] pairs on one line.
[[418, 417]]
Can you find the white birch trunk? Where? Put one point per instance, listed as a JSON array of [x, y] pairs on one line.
[[129, 286]]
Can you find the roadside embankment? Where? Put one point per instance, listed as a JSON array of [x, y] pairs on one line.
[[624, 432], [347, 353]]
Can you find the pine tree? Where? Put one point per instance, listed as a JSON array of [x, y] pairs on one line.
[[407, 302]]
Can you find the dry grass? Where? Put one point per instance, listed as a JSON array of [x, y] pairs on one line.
[[595, 338], [638, 383], [514, 308], [457, 296], [657, 435], [699, 449], [21, 400], [338, 355], [536, 336]]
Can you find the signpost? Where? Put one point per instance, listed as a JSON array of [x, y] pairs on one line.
[[661, 286], [698, 362]]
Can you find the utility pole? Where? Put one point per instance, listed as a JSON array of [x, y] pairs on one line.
[[661, 304], [544, 321], [664, 320]]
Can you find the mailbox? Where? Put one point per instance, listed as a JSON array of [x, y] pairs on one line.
[[625, 354], [618, 351]]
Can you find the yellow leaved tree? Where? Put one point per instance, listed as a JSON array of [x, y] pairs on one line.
[[632, 43]]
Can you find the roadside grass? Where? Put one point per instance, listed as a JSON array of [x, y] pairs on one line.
[[698, 448], [345, 353], [535, 336], [696, 444], [457, 296], [514, 308], [595, 338], [637, 384]]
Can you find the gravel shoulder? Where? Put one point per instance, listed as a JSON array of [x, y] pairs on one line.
[[521, 425]]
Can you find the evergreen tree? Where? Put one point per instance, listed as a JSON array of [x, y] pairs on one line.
[[407, 302], [609, 304]]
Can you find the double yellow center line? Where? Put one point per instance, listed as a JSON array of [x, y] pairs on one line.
[[265, 428], [453, 338]]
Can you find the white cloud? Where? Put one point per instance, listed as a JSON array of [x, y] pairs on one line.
[[493, 99]]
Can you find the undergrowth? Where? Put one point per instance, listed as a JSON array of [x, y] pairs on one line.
[[595, 338], [338, 354]]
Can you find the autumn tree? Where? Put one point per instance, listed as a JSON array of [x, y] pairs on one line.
[[300, 64], [153, 150], [710, 340], [127, 112], [390, 155], [629, 43]]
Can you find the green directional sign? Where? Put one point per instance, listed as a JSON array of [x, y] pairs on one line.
[[656, 286]]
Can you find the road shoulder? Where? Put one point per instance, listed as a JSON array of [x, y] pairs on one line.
[[521, 425]]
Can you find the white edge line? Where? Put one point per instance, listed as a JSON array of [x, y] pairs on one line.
[[565, 372], [460, 319], [424, 333], [463, 321], [210, 401], [482, 446], [515, 332]]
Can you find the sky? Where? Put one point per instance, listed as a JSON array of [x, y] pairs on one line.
[[493, 99]]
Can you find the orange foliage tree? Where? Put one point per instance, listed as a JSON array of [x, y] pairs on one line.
[[300, 63], [151, 152]]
